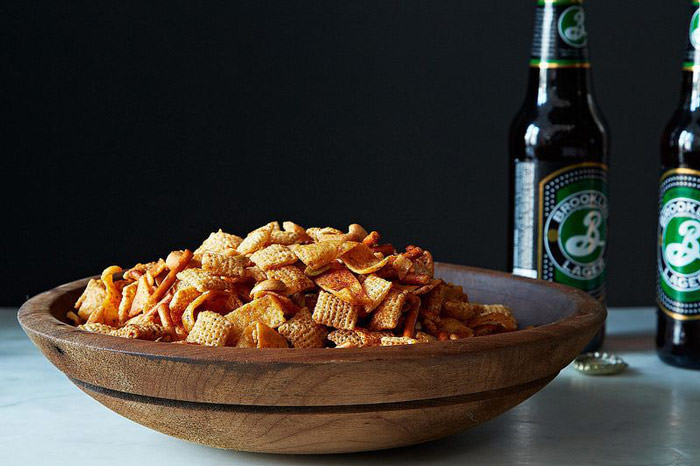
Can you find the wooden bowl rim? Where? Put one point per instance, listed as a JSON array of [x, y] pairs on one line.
[[35, 316]]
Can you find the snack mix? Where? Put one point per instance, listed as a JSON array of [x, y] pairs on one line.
[[287, 287]]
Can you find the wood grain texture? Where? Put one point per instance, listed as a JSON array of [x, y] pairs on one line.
[[316, 429], [462, 381]]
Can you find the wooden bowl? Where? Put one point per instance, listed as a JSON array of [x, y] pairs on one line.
[[324, 400]]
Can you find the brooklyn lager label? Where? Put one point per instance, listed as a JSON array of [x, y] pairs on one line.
[[678, 283], [560, 37], [564, 224]]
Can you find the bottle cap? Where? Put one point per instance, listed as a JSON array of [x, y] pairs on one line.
[[599, 363]]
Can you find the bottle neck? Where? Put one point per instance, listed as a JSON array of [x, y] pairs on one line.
[[559, 63], [690, 88]]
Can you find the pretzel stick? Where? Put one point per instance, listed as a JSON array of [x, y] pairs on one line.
[[165, 285], [372, 239], [409, 329], [74, 317], [164, 314], [386, 249], [416, 279]]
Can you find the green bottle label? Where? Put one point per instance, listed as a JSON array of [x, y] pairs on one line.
[[678, 254], [561, 231], [692, 54], [560, 38]]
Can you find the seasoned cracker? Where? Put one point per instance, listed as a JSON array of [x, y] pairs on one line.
[[316, 255], [225, 265], [292, 277], [267, 310], [148, 331], [361, 259], [273, 257], [376, 289], [395, 341], [357, 337], [344, 285], [335, 312], [205, 281], [211, 329], [92, 299], [302, 332], [219, 243], [387, 315]]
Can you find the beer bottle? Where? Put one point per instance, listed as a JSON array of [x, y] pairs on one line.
[[678, 249], [559, 155]]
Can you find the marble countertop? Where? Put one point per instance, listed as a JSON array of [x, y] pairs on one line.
[[649, 415]]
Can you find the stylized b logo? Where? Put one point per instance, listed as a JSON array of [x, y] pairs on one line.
[[577, 32], [688, 250], [583, 245], [572, 29]]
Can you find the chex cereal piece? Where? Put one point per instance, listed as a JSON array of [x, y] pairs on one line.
[[211, 329], [387, 315], [98, 328], [460, 310], [394, 341], [148, 331], [452, 326], [287, 237], [273, 256], [205, 281], [92, 298], [302, 332], [361, 259], [316, 255], [376, 289], [325, 234], [292, 277], [267, 310], [225, 265], [255, 273], [357, 338], [335, 312], [220, 243], [255, 240], [344, 285]]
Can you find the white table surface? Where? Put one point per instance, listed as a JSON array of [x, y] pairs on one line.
[[649, 415]]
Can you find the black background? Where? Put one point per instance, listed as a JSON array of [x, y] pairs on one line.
[[132, 128]]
